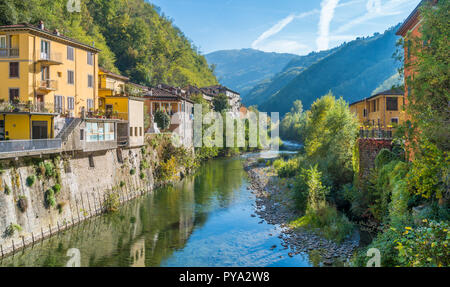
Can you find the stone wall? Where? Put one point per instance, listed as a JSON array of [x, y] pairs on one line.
[[368, 150], [86, 179]]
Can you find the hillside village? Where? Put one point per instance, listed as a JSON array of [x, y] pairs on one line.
[[54, 88]]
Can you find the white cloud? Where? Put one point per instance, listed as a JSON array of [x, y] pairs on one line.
[[326, 15], [376, 10], [284, 46], [277, 28]]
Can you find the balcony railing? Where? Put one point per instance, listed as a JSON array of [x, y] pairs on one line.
[[18, 146], [51, 58], [9, 52], [376, 133], [27, 107], [48, 85]]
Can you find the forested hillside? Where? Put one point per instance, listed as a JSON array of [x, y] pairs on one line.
[[134, 36], [241, 70], [261, 92], [353, 71]]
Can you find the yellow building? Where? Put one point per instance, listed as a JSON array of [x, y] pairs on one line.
[[115, 102], [381, 113], [43, 75]]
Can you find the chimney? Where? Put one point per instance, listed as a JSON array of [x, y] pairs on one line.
[[41, 25]]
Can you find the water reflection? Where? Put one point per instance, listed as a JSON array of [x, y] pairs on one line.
[[203, 221]]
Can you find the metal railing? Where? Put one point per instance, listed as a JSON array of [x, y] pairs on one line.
[[17, 146], [376, 133], [55, 57], [27, 107], [9, 52], [48, 85]]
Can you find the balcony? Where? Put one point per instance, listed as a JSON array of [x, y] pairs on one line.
[[48, 85], [26, 107], [376, 133], [49, 59], [15, 148], [9, 52]]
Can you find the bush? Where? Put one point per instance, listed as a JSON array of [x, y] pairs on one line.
[[167, 171], [31, 180], [384, 157], [49, 169], [7, 189], [50, 200], [132, 171], [56, 188], [425, 246], [122, 183], [286, 169], [162, 119], [112, 202], [142, 175], [12, 228], [327, 222]]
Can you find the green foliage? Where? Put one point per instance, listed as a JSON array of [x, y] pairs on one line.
[[50, 200], [31, 180], [56, 188], [168, 170], [134, 38], [162, 119], [12, 228], [384, 157], [429, 89], [286, 169], [293, 124], [316, 191], [425, 246], [220, 103], [60, 207], [7, 189], [122, 184], [132, 171], [327, 222], [142, 175], [112, 202], [429, 172]]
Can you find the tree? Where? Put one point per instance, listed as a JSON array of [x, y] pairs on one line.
[[162, 119], [220, 103]]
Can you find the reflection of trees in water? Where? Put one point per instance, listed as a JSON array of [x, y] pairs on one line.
[[155, 225]]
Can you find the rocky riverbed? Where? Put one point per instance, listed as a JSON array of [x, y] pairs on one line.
[[274, 207]]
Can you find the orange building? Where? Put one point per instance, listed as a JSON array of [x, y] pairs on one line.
[[380, 114]]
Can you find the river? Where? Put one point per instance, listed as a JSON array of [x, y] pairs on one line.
[[205, 220]]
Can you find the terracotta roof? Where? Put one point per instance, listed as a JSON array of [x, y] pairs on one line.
[[48, 34], [165, 95], [391, 92], [217, 89]]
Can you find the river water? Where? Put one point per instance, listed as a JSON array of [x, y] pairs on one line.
[[205, 220]]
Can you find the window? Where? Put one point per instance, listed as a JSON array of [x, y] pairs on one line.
[[14, 70], [140, 131], [2, 130], [70, 103], [3, 50], [59, 104], [91, 161], [70, 53], [90, 104], [131, 131], [394, 120], [365, 113], [14, 95], [136, 131], [45, 73], [90, 81], [70, 77], [90, 58], [45, 50], [392, 104]]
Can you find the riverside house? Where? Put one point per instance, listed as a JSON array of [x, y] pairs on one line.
[[119, 99], [234, 98], [380, 114], [49, 94], [177, 105]]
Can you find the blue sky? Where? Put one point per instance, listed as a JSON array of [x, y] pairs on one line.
[[291, 26]]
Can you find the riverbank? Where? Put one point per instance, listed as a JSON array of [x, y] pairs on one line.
[[275, 206]]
